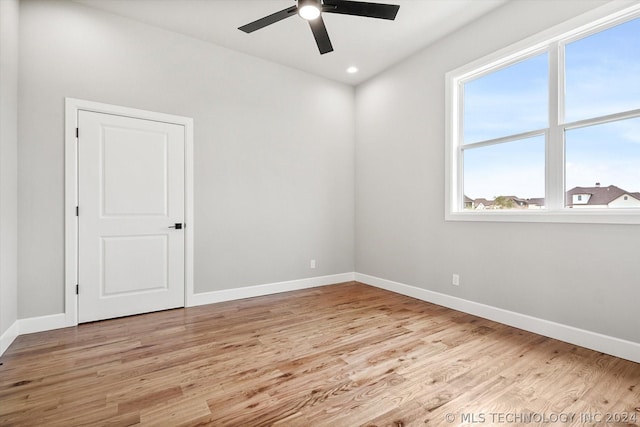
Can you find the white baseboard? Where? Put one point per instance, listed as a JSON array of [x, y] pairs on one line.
[[42, 323], [31, 325], [610, 345], [267, 289], [8, 336]]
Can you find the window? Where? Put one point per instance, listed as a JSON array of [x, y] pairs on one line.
[[505, 118], [534, 130]]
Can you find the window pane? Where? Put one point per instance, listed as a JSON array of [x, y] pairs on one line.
[[603, 165], [505, 176], [602, 73], [508, 101]]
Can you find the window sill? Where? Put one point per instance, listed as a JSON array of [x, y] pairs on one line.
[[592, 216]]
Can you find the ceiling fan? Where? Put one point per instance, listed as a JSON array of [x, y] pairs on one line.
[[312, 10]]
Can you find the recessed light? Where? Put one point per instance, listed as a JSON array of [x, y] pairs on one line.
[[352, 70]]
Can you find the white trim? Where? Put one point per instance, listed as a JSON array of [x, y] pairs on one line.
[[31, 325], [189, 199], [72, 107], [592, 340], [42, 323], [631, 114], [8, 336], [585, 216], [603, 343], [268, 289], [511, 138]]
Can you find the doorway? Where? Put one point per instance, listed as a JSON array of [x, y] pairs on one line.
[[133, 218]]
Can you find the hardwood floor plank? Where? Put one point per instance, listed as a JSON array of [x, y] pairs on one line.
[[341, 355], [407, 414]]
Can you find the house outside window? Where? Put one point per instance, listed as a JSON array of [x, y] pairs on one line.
[[530, 129]]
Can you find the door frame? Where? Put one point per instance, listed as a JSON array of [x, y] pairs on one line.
[[72, 108]]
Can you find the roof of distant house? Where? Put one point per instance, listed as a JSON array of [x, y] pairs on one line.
[[599, 195], [485, 202]]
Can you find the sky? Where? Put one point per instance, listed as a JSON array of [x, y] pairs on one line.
[[602, 77]]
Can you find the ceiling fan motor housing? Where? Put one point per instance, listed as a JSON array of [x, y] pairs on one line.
[[317, 3]]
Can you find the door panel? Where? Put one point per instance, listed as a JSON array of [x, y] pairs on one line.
[[134, 172], [141, 257], [131, 190]]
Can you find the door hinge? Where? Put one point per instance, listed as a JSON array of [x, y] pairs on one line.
[[77, 132], [77, 289], [77, 211]]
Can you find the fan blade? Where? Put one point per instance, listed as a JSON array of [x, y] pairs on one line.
[[358, 8], [268, 20], [320, 33]]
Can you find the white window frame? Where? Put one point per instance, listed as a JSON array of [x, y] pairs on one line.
[[551, 41]]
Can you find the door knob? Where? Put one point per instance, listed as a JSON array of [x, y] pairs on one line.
[[177, 226]]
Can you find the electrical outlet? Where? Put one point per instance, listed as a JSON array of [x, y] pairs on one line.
[[455, 280], [312, 264]]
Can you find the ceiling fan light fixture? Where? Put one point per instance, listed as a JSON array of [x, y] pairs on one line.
[[309, 9], [312, 11]]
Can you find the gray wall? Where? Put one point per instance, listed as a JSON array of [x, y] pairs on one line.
[[275, 188], [583, 275], [274, 183], [9, 18]]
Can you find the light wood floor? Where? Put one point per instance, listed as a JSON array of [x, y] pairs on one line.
[[342, 355]]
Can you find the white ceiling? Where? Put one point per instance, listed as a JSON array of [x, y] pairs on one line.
[[370, 44]]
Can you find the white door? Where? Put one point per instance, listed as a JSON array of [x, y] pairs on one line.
[[130, 193]]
